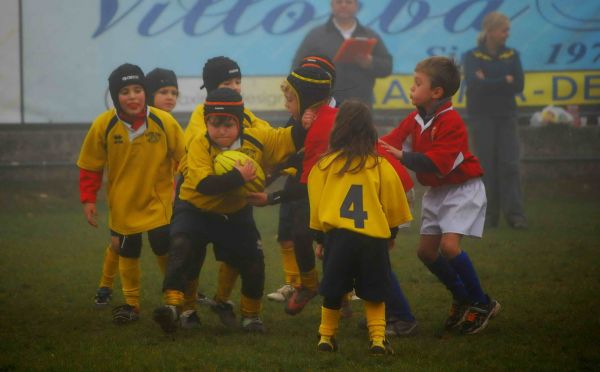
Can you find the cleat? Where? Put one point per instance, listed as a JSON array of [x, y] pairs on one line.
[[327, 344], [299, 299], [189, 319], [204, 300], [478, 317], [253, 325], [282, 294], [103, 296], [381, 348], [400, 328], [225, 312], [166, 317], [125, 314], [457, 315]]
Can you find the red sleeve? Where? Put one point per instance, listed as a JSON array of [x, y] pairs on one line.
[[399, 134], [316, 142], [89, 184], [407, 182]]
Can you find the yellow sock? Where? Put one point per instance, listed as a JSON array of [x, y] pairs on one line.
[[330, 320], [227, 277], [375, 313], [290, 266], [109, 267], [129, 268], [173, 297], [162, 263], [250, 307], [310, 280], [190, 295]]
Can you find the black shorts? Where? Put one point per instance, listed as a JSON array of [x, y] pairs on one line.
[[355, 261], [234, 235], [131, 245], [294, 217]]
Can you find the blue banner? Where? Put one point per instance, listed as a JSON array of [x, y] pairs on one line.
[[73, 45]]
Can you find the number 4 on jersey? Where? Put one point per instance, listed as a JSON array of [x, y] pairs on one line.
[[352, 206]]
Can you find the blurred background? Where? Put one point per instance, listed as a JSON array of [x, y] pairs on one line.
[[55, 57]]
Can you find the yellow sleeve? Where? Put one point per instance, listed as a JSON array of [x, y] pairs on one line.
[[196, 125], [93, 154], [278, 145], [316, 180], [392, 196], [199, 163]]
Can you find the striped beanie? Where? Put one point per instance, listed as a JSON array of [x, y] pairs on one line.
[[311, 86], [224, 102], [322, 61]]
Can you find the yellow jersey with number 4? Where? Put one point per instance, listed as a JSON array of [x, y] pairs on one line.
[[139, 168], [369, 202]]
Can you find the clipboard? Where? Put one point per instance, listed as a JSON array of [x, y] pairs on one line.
[[354, 47]]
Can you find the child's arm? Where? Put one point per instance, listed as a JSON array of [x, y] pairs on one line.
[[89, 184], [213, 184]]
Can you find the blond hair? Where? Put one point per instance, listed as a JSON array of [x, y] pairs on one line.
[[492, 21]]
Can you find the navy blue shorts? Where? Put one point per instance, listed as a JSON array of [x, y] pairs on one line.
[[234, 235], [355, 261]]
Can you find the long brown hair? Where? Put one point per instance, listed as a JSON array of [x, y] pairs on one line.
[[353, 135]]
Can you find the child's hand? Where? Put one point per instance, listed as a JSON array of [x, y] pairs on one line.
[[257, 199], [319, 251], [308, 118], [90, 213], [391, 149], [247, 170]]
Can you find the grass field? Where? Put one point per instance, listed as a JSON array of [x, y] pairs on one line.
[[547, 279]]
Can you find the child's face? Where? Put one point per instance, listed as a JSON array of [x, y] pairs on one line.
[[233, 84], [421, 93], [222, 130], [166, 98], [132, 99], [292, 104]]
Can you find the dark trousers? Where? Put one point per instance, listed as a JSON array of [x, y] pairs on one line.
[[497, 147]]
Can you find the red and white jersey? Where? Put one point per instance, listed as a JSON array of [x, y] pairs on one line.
[[444, 140]]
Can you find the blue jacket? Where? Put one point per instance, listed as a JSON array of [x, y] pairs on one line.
[[492, 95]]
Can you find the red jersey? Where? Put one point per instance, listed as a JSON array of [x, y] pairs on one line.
[[317, 143], [444, 140]]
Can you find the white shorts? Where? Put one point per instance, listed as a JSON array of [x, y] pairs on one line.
[[456, 209]]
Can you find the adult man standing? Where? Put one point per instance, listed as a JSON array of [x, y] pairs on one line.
[[356, 78]]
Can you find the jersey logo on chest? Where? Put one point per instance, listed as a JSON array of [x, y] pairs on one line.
[[152, 137]]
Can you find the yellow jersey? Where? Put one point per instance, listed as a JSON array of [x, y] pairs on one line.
[[264, 145], [139, 168], [369, 202]]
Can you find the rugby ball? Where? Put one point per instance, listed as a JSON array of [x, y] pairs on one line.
[[225, 161]]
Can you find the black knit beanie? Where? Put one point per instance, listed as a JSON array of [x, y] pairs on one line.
[[322, 61], [126, 74], [224, 101], [218, 69], [159, 78], [312, 85]]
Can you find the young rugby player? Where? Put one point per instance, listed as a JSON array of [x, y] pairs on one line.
[[356, 203], [454, 205], [137, 145]]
